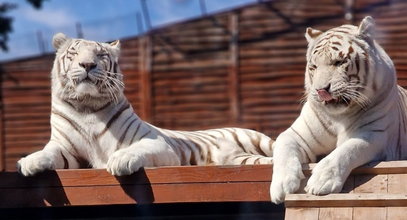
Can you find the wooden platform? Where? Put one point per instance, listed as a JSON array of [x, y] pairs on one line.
[[376, 190]]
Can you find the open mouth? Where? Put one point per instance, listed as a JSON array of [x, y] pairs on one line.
[[327, 98], [338, 101]]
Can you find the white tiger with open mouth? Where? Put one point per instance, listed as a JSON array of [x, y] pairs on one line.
[[354, 112]]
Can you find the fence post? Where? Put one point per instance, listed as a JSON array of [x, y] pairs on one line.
[[233, 70], [2, 145], [145, 65]]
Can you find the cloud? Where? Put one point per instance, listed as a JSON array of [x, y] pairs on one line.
[[52, 18]]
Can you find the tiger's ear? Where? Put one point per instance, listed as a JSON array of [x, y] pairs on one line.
[[58, 40], [115, 44], [311, 34], [367, 27]]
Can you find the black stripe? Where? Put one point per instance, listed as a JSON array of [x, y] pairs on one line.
[[257, 161], [119, 143], [244, 161], [236, 138], [373, 121], [312, 134], [220, 132], [115, 67], [298, 134], [114, 117], [136, 131], [178, 147], [66, 163], [81, 161], [201, 139], [206, 137], [73, 124], [144, 135], [357, 60], [256, 145]]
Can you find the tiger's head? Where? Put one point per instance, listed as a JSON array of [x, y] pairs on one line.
[[86, 72], [346, 68]]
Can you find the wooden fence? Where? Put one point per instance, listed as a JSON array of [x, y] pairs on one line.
[[242, 67]]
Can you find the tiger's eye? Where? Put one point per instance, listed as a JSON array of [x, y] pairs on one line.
[[338, 62], [102, 55], [312, 67]]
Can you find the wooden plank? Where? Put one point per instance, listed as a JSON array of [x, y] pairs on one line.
[[162, 175], [397, 183], [396, 213], [382, 167], [335, 213], [371, 183], [301, 213], [2, 132], [346, 200], [371, 213], [134, 194], [150, 185]]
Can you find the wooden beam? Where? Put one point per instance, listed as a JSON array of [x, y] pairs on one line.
[[151, 185], [233, 72], [248, 183], [2, 132], [346, 200], [377, 167], [145, 66]]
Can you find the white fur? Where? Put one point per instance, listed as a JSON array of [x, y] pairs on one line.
[[93, 122], [371, 127]]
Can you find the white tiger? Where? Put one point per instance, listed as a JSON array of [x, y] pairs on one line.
[[93, 124], [354, 112]]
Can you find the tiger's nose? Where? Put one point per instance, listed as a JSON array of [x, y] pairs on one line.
[[88, 66], [326, 88]]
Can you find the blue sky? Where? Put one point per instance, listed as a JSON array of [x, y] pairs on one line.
[[101, 20]]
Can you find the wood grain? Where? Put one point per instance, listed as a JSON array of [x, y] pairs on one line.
[[346, 200], [248, 183]]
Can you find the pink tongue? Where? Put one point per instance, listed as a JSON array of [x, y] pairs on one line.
[[324, 95]]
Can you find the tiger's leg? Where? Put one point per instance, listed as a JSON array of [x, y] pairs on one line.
[[51, 157], [144, 153], [330, 173], [287, 168]]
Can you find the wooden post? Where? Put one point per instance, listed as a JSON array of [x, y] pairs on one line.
[[2, 146], [145, 58], [233, 72]]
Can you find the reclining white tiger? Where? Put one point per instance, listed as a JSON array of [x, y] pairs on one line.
[[93, 124], [355, 112]]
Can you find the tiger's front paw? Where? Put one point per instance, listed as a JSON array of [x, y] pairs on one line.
[[124, 162], [286, 180], [327, 177], [283, 185], [35, 163]]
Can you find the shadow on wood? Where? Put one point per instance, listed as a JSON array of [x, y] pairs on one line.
[[140, 191], [16, 188]]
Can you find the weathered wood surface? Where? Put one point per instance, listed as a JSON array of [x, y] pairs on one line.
[[189, 184], [371, 192]]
